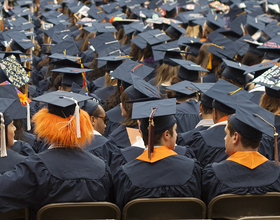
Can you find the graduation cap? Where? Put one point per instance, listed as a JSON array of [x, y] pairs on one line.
[[135, 26], [169, 8], [235, 71], [242, 44], [272, 29], [254, 24], [193, 46], [116, 14], [104, 28], [260, 68], [51, 7], [160, 51], [20, 42], [183, 88], [13, 70], [95, 13], [153, 37], [270, 79], [251, 121], [90, 106], [113, 61], [67, 46], [67, 63], [20, 12], [156, 117], [214, 21], [271, 48], [72, 75], [188, 70], [111, 7], [225, 96], [15, 53], [122, 72], [57, 21], [175, 30], [203, 88], [19, 24], [59, 56], [155, 4]]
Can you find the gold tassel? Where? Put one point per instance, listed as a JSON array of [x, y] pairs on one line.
[[209, 65]]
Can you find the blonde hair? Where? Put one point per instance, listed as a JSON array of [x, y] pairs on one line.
[[271, 104], [165, 73], [193, 31]]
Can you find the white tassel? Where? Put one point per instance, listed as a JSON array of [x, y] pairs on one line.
[[28, 116], [3, 137], [77, 114]]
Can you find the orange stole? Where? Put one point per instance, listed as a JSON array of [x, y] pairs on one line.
[[248, 159], [158, 154], [223, 119]]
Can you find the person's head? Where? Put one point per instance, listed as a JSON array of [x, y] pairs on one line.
[[205, 111], [126, 109], [9, 130], [234, 141], [97, 116], [165, 73], [167, 138]]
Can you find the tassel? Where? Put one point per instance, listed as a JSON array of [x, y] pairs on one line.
[[151, 129], [276, 159], [3, 137], [209, 65], [77, 114], [28, 116], [2, 25]]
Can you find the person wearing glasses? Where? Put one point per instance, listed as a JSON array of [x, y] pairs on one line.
[[98, 120]]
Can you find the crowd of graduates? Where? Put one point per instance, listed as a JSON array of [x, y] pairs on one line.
[[117, 100]]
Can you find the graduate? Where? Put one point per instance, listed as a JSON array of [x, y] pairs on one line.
[[98, 120], [56, 175], [208, 145], [159, 171], [9, 158], [246, 170]]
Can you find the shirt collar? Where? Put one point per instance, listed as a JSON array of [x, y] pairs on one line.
[[205, 123]]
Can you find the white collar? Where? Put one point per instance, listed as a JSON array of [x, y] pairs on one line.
[[205, 123], [96, 132], [218, 124]]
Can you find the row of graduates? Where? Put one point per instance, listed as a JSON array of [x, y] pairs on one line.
[[72, 177]]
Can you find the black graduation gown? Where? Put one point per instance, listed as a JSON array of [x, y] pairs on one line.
[[124, 155], [182, 138], [114, 118], [96, 146], [174, 176], [8, 163], [231, 177], [209, 145], [100, 82], [209, 78], [22, 148], [55, 176], [187, 115]]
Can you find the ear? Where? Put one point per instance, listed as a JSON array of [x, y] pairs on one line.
[[60, 88], [236, 138], [200, 107], [166, 135], [93, 120], [215, 115]]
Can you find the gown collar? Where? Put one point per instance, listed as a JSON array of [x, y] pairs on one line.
[[158, 154], [248, 159]]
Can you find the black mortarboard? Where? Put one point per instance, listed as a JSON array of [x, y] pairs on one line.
[[15, 110], [61, 103], [225, 95], [5, 104], [141, 90], [159, 51], [66, 46], [14, 72], [214, 21], [184, 87], [188, 70], [160, 111], [112, 61], [20, 12], [235, 71], [203, 88], [15, 53], [90, 106], [66, 63], [153, 37], [123, 71], [155, 4], [271, 48], [170, 8], [59, 56], [111, 7], [136, 26], [270, 79], [272, 29], [251, 120], [254, 24], [57, 21], [237, 23], [116, 14], [193, 46], [260, 68], [95, 13], [20, 41], [104, 28], [72, 75], [19, 24], [175, 30], [242, 44]]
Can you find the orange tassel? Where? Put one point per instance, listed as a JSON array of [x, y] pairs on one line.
[[209, 65], [111, 20], [56, 130], [22, 98]]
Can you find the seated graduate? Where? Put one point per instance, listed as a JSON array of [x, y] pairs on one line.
[[159, 171], [9, 158], [64, 172], [98, 120], [206, 113], [246, 170], [209, 145]]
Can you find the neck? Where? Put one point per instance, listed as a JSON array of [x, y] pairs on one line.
[[207, 116]]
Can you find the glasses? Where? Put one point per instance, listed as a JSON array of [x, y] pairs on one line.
[[105, 119]]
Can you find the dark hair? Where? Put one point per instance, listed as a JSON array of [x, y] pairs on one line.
[[97, 111], [18, 123], [157, 137], [246, 143], [250, 59], [112, 100], [135, 52], [206, 110], [128, 108]]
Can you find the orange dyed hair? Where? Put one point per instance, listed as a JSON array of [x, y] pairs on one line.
[[55, 130]]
